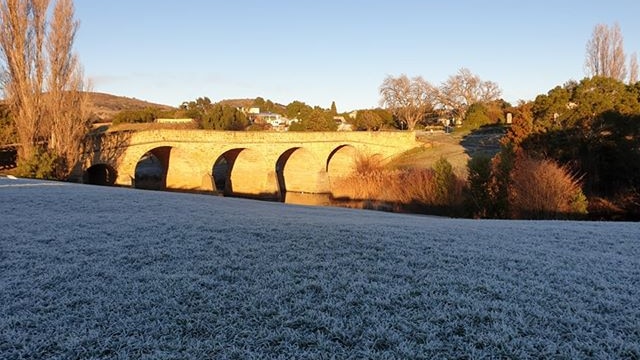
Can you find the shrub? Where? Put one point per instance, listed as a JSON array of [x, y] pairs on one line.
[[42, 165], [444, 181], [7, 128], [501, 168], [476, 117], [147, 115], [542, 189], [478, 194]]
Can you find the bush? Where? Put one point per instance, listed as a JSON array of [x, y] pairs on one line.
[[147, 115], [42, 165], [7, 128], [478, 194], [542, 189], [501, 169], [444, 181], [476, 117]]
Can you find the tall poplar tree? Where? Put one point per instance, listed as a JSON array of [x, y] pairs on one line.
[[605, 53], [42, 81]]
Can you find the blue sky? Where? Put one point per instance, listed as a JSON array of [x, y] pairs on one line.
[[335, 50]]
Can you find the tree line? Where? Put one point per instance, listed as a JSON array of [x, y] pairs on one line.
[[411, 100], [405, 104], [222, 116]]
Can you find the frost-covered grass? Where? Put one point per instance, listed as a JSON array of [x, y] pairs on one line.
[[96, 272]]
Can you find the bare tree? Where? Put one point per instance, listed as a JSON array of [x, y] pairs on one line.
[[465, 89], [605, 53], [20, 32], [67, 104], [409, 100], [633, 69], [42, 79]]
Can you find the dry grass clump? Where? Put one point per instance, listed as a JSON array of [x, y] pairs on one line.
[[437, 191], [543, 189], [368, 164]]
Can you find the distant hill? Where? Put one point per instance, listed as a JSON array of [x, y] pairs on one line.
[[106, 106], [246, 103], [237, 103]]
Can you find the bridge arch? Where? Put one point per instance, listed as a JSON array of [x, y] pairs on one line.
[[299, 170], [151, 169], [342, 161], [100, 174], [241, 172]]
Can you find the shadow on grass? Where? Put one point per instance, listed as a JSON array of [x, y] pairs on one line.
[[483, 141]]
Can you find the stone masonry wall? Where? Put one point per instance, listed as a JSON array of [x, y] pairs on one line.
[[308, 156]]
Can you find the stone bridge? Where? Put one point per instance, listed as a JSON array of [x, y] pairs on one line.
[[252, 164]]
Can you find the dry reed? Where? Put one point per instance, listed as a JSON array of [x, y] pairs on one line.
[[414, 190]]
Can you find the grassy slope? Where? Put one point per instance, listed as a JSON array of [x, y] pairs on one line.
[[106, 106], [456, 147], [92, 272]]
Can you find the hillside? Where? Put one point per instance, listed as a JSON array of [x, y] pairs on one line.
[[237, 102], [106, 106], [457, 148], [246, 103]]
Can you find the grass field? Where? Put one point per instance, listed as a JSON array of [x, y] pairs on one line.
[[92, 272], [456, 147]]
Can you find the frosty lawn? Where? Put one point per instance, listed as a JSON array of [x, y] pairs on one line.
[[96, 272]]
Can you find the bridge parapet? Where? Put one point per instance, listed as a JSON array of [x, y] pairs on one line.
[[393, 139]]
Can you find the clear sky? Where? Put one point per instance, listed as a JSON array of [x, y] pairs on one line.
[[319, 51]]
